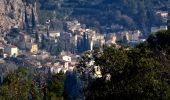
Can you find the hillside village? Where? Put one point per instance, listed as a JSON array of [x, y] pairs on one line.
[[46, 49], [84, 50]]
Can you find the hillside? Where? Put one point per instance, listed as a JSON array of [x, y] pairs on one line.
[[131, 14]]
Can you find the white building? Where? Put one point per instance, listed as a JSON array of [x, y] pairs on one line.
[[12, 51], [54, 34], [56, 69], [163, 14], [156, 29], [1, 50], [66, 58]]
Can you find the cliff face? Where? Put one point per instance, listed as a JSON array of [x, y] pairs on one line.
[[12, 13]]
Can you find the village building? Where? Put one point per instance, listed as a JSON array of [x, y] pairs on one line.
[[163, 14], [54, 34], [156, 29], [11, 50], [33, 47], [134, 36], [97, 72], [42, 55], [112, 39], [2, 47]]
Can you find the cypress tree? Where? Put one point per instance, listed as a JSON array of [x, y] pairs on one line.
[[88, 43], [43, 42], [37, 37], [33, 20], [82, 48], [48, 34], [26, 26], [84, 42], [78, 49], [168, 24]]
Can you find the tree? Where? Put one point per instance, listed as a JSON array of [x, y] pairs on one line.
[[83, 44], [135, 74], [26, 23], [72, 86], [44, 42], [18, 86], [33, 20], [56, 87], [36, 36]]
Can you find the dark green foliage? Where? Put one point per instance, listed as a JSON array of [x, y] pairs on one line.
[[28, 84], [56, 87], [30, 1], [140, 73], [131, 14], [36, 36], [168, 24], [84, 44], [44, 42], [160, 40], [33, 20], [26, 23], [17, 86], [72, 86]]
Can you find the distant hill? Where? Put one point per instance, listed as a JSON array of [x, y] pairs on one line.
[[131, 14]]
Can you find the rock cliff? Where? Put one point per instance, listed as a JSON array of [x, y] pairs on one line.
[[12, 13]]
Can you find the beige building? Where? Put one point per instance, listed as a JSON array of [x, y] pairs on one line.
[[113, 40], [126, 34], [24, 37], [96, 39], [33, 47], [97, 72], [134, 36]]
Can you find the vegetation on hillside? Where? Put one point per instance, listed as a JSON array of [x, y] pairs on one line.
[[131, 14], [140, 73], [28, 84]]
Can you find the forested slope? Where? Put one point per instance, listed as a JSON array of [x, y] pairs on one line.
[[131, 14]]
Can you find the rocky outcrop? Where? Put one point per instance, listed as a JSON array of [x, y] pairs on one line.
[[12, 13]]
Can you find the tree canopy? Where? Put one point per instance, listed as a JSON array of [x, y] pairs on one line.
[[140, 73]]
